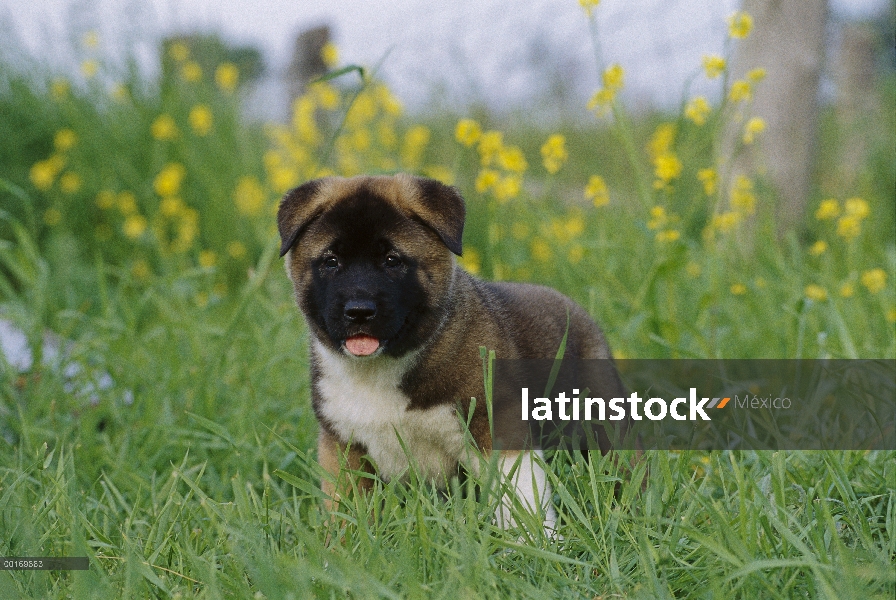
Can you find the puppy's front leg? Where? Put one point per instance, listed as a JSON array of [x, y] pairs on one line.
[[531, 486], [329, 451]]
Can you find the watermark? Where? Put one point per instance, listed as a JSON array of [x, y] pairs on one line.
[[44, 563], [695, 404]]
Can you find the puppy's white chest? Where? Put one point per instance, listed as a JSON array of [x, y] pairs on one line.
[[362, 402]]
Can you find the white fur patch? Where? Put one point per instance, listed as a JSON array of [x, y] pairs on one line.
[[362, 402], [531, 486]]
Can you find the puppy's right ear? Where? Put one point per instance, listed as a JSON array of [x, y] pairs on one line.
[[298, 208]]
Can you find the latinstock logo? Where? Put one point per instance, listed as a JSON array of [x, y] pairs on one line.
[[575, 408]]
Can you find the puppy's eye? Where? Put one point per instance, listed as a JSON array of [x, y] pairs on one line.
[[331, 262], [393, 260]]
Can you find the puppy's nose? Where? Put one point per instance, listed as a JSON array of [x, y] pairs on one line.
[[359, 311]]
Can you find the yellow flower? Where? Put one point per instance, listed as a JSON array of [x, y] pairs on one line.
[[171, 206], [739, 25], [554, 153], [713, 65], [249, 195], [89, 68], [64, 140], [847, 290], [91, 40], [327, 95], [507, 187], [191, 71], [576, 254], [43, 174], [52, 217], [470, 260], [541, 251], [236, 249], [588, 5], [119, 92], [127, 203], [662, 140], [753, 127], [693, 269], [849, 226], [330, 54], [761, 282], [163, 128], [511, 158], [725, 221], [875, 280], [740, 90], [70, 182], [614, 77], [602, 101], [179, 51], [201, 119], [816, 292], [857, 207], [167, 182], [697, 110], [709, 178], [742, 198], [818, 248], [490, 143], [828, 209], [658, 217], [575, 225], [440, 173], [668, 235], [134, 226], [597, 191], [415, 141], [105, 200], [59, 89], [738, 289], [207, 259], [227, 75], [891, 315], [756, 75], [140, 270], [666, 168]]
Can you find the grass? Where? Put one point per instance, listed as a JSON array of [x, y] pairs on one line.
[[194, 475]]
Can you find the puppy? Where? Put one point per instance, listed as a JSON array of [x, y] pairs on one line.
[[396, 328]]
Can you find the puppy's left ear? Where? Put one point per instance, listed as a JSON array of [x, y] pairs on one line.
[[442, 208], [298, 208]]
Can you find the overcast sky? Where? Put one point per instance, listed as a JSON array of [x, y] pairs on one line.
[[498, 49]]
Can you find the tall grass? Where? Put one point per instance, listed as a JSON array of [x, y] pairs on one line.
[[137, 224]]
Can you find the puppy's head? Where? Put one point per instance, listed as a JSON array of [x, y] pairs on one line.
[[370, 259]]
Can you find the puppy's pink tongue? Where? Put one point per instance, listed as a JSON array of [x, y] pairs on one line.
[[362, 345]]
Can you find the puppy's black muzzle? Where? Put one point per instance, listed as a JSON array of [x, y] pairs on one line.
[[359, 311]]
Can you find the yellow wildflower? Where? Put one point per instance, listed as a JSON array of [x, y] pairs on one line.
[[847, 290], [43, 174], [709, 178], [507, 187], [614, 77], [697, 110], [738, 289], [816, 292], [207, 259], [891, 315], [553, 153], [693, 269], [327, 95], [140, 270], [191, 71], [875, 280], [467, 132], [236, 249], [666, 168], [70, 182], [668, 235], [64, 139], [756, 75], [742, 198], [857, 207], [89, 68], [179, 51], [725, 221], [59, 89], [753, 127], [828, 209], [490, 143], [576, 254], [662, 140], [597, 191], [201, 119], [713, 65], [658, 217], [249, 195], [227, 76], [134, 226], [330, 54], [440, 173], [588, 5], [470, 260], [739, 25], [119, 92], [167, 182], [415, 141], [740, 91], [171, 206], [163, 128], [818, 248], [849, 226], [105, 200], [541, 250], [601, 101], [511, 158]]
